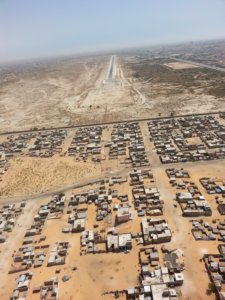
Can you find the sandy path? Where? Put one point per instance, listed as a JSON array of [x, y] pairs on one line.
[[13, 242]]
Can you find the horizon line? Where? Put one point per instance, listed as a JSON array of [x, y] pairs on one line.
[[107, 51]]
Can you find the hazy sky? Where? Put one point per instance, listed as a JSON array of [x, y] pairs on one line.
[[33, 28]]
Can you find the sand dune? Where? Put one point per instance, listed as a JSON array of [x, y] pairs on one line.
[[31, 175]]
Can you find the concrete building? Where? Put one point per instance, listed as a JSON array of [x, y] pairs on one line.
[[123, 214], [121, 242]]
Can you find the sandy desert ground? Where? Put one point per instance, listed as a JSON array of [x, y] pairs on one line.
[[72, 91], [28, 176]]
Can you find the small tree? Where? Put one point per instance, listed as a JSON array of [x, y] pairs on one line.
[[211, 287]]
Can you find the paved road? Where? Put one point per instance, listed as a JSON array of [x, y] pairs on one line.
[[112, 122], [199, 64]]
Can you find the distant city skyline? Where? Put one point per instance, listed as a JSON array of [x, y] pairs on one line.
[[44, 28]]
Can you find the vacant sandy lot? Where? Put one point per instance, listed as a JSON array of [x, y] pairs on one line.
[[35, 175], [180, 66]]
